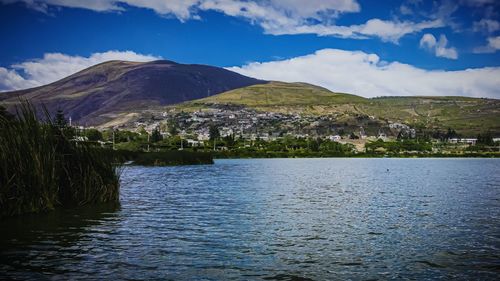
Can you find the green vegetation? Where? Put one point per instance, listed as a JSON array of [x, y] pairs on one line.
[[279, 93], [144, 149], [174, 150], [396, 147], [165, 158], [41, 168], [467, 116], [282, 97], [428, 148], [287, 147]]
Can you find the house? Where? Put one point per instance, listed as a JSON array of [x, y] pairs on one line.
[[399, 126], [194, 143], [336, 138], [203, 136], [362, 133], [471, 141], [80, 139]]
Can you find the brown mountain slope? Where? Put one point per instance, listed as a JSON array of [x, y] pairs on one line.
[[96, 94]]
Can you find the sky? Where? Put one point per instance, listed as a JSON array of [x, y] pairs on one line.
[[368, 48]]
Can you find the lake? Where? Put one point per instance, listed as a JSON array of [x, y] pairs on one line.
[[274, 219]]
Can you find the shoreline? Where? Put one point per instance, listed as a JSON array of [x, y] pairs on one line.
[[495, 155]]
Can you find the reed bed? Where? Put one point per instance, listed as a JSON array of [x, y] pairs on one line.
[[41, 168]]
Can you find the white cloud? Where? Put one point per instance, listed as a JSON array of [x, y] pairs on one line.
[[446, 11], [477, 3], [276, 17], [389, 31], [393, 31], [55, 66], [493, 46], [428, 41], [184, 9], [486, 25], [10, 80], [439, 48], [366, 75], [95, 5]]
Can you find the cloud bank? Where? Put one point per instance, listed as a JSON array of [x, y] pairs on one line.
[[366, 75], [55, 66], [276, 17]]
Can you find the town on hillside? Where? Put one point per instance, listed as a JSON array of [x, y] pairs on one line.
[[232, 127]]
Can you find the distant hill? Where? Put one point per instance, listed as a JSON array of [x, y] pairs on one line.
[[468, 116], [285, 98], [97, 94], [281, 94]]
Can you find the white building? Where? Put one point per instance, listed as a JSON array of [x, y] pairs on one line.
[[194, 143], [471, 141], [203, 136], [336, 138]]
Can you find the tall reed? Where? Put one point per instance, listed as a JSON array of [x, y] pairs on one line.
[[41, 168]]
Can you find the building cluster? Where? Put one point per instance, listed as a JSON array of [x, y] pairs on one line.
[[248, 124]]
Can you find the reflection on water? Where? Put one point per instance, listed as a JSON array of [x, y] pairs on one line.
[[275, 219], [34, 246]]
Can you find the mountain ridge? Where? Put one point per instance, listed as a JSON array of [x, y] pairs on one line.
[[94, 94]]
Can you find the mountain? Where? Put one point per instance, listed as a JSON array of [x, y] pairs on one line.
[[468, 116], [102, 92], [118, 93]]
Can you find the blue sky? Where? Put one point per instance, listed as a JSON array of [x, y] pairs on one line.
[[453, 47]]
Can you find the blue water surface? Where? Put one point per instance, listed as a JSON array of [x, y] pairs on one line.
[[274, 219]]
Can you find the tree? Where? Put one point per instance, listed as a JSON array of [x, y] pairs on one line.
[[485, 139], [451, 134], [93, 135], [315, 144], [173, 127], [142, 131], [60, 120], [156, 136], [213, 132], [61, 125], [230, 140]]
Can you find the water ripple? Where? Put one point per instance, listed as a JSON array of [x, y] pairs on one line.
[[274, 219]]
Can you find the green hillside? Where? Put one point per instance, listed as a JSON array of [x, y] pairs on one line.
[[284, 97], [283, 94], [468, 116]]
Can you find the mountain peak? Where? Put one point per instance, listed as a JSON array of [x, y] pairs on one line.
[[94, 95]]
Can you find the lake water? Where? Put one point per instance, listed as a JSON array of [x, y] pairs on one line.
[[274, 219]]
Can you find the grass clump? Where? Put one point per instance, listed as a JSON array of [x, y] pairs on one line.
[[42, 168]]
